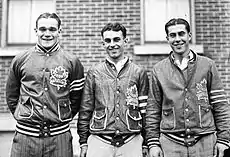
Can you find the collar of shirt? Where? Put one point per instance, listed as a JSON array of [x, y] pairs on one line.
[[120, 64], [184, 63], [54, 48]]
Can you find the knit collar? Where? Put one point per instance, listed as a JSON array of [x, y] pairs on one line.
[[54, 48]]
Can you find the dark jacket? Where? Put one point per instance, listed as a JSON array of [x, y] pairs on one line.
[[113, 103], [44, 87], [194, 105]]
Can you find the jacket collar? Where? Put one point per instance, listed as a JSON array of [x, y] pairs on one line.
[[192, 57], [41, 49], [118, 65]]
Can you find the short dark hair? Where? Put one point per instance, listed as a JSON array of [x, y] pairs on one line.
[[114, 27], [176, 21], [49, 15]]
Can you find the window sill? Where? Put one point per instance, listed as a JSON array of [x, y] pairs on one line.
[[161, 49], [7, 122], [11, 51]]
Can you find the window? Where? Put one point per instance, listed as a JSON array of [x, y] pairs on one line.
[[158, 12], [154, 15], [21, 18]]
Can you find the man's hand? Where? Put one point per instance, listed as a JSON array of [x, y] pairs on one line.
[[219, 150], [83, 151], [145, 151], [155, 152]]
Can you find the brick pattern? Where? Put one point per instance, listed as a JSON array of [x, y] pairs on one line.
[[82, 21], [4, 67], [212, 30]]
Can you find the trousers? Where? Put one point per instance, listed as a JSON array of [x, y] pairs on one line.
[[54, 146], [203, 148], [99, 148]]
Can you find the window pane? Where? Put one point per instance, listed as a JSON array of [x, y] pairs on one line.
[[18, 21], [158, 12], [22, 17]]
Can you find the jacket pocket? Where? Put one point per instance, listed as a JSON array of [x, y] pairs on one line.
[[168, 119], [133, 120], [25, 108], [64, 110], [98, 121], [205, 115]]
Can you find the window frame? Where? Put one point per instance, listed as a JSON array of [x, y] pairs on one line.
[[192, 23], [156, 47], [8, 49]]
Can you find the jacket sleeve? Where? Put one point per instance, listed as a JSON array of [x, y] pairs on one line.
[[142, 98], [13, 85], [86, 109], [76, 86], [153, 112], [221, 107]]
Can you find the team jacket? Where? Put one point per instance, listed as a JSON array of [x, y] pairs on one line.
[[44, 89], [113, 103], [193, 106]]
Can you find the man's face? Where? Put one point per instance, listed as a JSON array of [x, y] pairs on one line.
[[47, 32], [179, 38], [114, 43]]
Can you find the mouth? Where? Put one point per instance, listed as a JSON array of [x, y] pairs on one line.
[[47, 39]]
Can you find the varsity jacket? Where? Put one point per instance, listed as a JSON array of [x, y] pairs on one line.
[[187, 108], [44, 90], [113, 103]]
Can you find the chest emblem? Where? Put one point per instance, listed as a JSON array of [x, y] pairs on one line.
[[201, 90], [59, 77], [132, 96]]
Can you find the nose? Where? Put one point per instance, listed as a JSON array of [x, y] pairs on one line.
[[177, 38]]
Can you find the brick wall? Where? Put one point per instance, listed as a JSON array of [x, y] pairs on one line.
[[212, 30], [83, 20]]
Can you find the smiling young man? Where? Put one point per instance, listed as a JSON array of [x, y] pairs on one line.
[[43, 92], [188, 112], [113, 105]]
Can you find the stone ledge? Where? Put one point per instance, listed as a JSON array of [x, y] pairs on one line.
[[161, 49], [7, 122]]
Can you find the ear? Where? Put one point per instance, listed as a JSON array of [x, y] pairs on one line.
[[59, 30], [167, 38], [126, 40], [190, 36], [103, 43]]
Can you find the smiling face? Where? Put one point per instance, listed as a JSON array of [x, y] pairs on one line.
[[114, 42], [178, 38], [47, 32]]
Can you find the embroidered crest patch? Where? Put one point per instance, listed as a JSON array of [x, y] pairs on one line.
[[132, 96], [201, 90], [59, 77]]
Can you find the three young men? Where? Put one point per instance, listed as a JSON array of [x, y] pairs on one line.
[[187, 110]]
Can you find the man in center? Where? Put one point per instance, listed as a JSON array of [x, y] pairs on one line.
[[112, 112]]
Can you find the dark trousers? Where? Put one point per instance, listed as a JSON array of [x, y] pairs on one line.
[[55, 146], [227, 153]]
